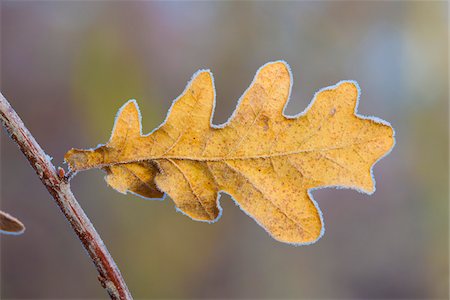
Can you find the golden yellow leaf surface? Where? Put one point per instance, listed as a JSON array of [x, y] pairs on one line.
[[266, 161]]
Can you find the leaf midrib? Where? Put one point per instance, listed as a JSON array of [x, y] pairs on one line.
[[224, 158]]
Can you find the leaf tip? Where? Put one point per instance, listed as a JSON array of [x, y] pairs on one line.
[[10, 225], [130, 107], [349, 87], [279, 67], [202, 76]]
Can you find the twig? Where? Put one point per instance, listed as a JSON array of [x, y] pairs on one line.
[[59, 187]]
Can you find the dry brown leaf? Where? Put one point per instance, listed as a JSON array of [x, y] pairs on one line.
[[10, 225], [266, 161]]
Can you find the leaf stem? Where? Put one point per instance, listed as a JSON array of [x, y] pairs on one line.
[[59, 187]]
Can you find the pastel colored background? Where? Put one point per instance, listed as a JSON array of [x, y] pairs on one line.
[[67, 66]]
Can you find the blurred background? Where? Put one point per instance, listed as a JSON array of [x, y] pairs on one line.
[[67, 67]]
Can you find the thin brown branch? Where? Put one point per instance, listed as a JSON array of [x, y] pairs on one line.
[[59, 187]]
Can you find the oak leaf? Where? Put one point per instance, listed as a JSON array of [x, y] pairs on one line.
[[266, 161], [10, 225]]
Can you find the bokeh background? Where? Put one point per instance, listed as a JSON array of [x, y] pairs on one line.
[[68, 66]]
